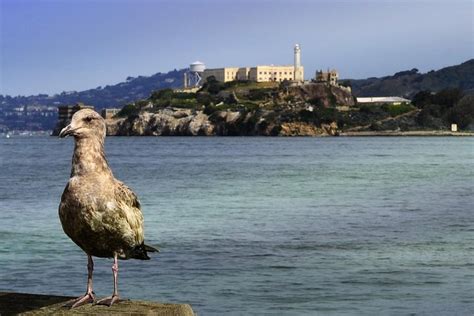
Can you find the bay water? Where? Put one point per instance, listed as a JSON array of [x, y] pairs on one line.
[[260, 226]]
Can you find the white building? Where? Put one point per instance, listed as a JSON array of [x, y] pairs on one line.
[[382, 100], [260, 73]]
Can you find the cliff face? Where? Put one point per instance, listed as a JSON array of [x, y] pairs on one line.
[[178, 122], [327, 95], [305, 129], [174, 122], [166, 122]]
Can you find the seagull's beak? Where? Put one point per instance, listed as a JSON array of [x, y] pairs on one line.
[[68, 130]]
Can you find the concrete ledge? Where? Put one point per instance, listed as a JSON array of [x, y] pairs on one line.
[[34, 304]]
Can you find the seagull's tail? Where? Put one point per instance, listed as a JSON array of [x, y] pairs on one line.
[[141, 252], [151, 249]]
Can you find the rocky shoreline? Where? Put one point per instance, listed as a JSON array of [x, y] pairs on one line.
[[184, 122], [187, 122]]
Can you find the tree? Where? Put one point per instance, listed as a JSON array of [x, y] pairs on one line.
[[211, 79], [463, 112], [285, 84], [127, 110], [447, 98], [162, 94], [204, 98], [422, 99]]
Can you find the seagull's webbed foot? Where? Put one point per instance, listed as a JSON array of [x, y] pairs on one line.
[[87, 298], [109, 300]]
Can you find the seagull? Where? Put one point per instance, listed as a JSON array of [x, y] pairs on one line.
[[99, 213]]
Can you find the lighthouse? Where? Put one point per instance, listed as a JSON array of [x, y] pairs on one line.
[[298, 70]]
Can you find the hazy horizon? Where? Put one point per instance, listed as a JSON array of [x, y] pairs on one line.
[[50, 46]]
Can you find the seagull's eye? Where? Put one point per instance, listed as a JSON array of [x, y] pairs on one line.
[[88, 119]]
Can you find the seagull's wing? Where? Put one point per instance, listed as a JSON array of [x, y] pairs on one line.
[[127, 195], [129, 210], [127, 221]]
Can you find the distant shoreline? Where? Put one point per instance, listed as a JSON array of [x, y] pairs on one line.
[[340, 134], [405, 133]]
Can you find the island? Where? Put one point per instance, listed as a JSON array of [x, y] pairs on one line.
[[245, 108]]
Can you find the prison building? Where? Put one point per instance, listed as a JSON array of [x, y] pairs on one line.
[[330, 76]]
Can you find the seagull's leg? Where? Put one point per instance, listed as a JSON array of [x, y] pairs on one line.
[[115, 296], [89, 297]]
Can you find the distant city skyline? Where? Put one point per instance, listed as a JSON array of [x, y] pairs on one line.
[[50, 46]]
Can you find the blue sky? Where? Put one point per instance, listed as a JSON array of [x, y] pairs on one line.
[[50, 46]]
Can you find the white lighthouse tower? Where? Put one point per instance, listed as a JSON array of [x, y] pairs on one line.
[[298, 71]]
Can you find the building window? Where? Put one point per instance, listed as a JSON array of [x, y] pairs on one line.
[[260, 73]]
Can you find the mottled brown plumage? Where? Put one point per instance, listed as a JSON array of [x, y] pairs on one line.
[[98, 212]]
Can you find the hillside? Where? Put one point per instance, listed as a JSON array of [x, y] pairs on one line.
[[408, 83], [42, 108], [132, 89]]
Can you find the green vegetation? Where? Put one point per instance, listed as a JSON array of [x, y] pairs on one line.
[[319, 115], [386, 109], [213, 96], [397, 109], [214, 87], [128, 110], [169, 98], [448, 106], [234, 95], [259, 94], [316, 102]]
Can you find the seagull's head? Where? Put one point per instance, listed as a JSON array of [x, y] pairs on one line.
[[85, 123]]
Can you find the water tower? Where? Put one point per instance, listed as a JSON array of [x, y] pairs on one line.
[[192, 77]]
